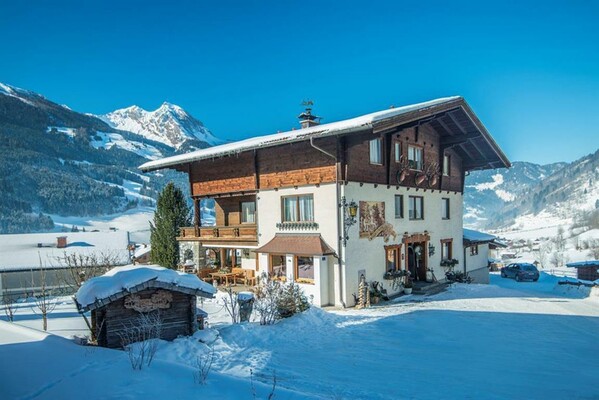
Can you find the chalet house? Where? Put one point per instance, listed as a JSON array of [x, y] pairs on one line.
[[327, 203]]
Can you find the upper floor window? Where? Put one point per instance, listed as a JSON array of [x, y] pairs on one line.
[[298, 208], [474, 250], [446, 164], [416, 208], [397, 149], [376, 151], [399, 206], [415, 157], [445, 208], [248, 212]]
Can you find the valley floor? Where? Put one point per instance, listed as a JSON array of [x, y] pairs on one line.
[[505, 340]]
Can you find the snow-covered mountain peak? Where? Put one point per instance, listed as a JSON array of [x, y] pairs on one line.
[[169, 124]]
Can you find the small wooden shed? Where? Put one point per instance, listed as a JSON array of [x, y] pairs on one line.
[[121, 298], [586, 270]]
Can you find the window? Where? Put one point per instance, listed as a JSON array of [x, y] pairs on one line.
[[304, 269], [416, 207], [392, 258], [474, 250], [248, 212], [278, 266], [415, 157], [446, 164], [397, 152], [298, 208], [446, 249], [376, 151], [399, 206], [445, 208]]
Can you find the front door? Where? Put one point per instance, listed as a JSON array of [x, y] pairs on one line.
[[417, 261]]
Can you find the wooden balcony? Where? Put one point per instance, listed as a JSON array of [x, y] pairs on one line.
[[246, 234]]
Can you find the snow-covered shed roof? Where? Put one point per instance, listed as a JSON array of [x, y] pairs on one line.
[[584, 264], [122, 281], [24, 251], [475, 237], [358, 124]]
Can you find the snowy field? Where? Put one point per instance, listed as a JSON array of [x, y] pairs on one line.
[[506, 340]]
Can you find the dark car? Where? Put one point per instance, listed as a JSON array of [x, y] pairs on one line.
[[520, 272]]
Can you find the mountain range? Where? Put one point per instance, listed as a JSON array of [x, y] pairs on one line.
[[531, 195], [54, 160]]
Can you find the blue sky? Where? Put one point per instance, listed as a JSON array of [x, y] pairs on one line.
[[530, 70]]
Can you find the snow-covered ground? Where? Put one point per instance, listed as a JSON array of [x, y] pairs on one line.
[[506, 340], [136, 221]]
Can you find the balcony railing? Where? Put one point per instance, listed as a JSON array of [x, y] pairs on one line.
[[214, 234]]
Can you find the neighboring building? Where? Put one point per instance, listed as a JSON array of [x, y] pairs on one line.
[[586, 270], [141, 253], [284, 202], [25, 255], [476, 254]]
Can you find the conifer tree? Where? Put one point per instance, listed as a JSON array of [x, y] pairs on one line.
[[171, 214]]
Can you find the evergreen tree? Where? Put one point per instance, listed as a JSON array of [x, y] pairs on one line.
[[171, 214]]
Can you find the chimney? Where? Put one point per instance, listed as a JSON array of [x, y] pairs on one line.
[[61, 242], [307, 119]]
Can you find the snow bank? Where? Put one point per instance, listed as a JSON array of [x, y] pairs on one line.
[[124, 278]]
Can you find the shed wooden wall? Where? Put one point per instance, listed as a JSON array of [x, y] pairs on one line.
[[588, 273], [177, 320]]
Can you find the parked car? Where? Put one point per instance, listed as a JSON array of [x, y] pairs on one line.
[[520, 272]]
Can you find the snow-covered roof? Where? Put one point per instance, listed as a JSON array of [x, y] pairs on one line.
[[121, 281], [24, 251], [584, 264], [334, 128], [473, 236]]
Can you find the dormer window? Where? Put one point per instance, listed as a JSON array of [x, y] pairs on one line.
[[415, 157], [376, 151]]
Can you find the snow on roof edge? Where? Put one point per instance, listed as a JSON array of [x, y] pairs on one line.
[[121, 279], [333, 128], [477, 236]]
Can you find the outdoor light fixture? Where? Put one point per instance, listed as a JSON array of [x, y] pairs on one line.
[[350, 210], [431, 249]]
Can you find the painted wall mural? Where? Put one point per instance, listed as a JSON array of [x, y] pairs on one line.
[[372, 216], [372, 221]]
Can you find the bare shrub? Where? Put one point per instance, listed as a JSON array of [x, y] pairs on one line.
[[9, 301], [231, 305], [267, 299], [271, 395], [276, 300], [203, 366], [77, 268], [45, 301], [139, 339]]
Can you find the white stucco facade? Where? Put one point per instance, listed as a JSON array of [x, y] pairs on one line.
[[362, 254]]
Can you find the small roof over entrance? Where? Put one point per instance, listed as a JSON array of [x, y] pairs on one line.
[[303, 244]]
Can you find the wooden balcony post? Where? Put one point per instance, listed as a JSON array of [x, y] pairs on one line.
[[197, 217]]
